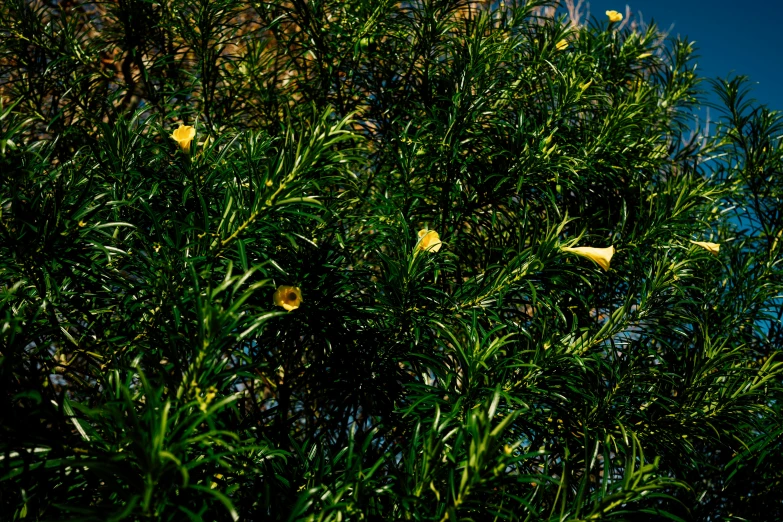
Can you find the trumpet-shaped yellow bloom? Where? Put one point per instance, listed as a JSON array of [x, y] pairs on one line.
[[183, 135], [428, 241], [601, 256], [713, 248], [614, 16], [289, 297], [562, 45]]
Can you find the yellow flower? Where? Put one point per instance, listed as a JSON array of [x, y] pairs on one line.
[[82, 224], [428, 240], [562, 45], [183, 135], [711, 247], [289, 297], [614, 16], [601, 256]]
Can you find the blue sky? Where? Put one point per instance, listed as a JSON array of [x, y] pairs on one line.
[[741, 37]]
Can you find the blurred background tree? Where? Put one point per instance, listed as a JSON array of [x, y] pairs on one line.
[[416, 183]]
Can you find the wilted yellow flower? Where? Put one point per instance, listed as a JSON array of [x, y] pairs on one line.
[[614, 16], [428, 240], [713, 248], [183, 135], [289, 297], [562, 45], [601, 256]]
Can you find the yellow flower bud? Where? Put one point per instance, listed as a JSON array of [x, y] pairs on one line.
[[614, 16], [428, 241], [289, 297], [712, 248], [562, 45], [600, 256], [183, 135]]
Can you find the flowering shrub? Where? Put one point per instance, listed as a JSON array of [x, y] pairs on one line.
[[355, 286]]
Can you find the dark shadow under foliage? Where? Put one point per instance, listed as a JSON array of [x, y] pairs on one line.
[[146, 373]]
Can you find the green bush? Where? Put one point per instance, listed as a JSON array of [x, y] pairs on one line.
[[415, 180]]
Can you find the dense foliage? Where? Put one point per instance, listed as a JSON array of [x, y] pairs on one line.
[[482, 372]]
